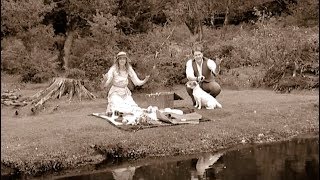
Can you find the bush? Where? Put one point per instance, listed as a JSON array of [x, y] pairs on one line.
[[75, 73], [37, 68], [79, 48], [171, 72], [13, 55], [29, 54], [95, 62], [38, 77], [168, 68], [40, 36], [304, 14]]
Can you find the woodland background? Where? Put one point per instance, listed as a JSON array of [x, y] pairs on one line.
[[262, 43]]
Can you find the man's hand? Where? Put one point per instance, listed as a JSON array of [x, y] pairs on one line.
[[200, 78], [218, 63]]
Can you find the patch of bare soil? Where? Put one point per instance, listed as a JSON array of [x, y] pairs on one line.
[[63, 135], [241, 78]]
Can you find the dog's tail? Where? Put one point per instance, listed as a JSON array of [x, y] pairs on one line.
[[219, 105]]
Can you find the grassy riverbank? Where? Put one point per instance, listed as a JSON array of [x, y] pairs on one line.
[[64, 136]]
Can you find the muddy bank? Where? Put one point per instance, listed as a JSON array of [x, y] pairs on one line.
[[67, 137]]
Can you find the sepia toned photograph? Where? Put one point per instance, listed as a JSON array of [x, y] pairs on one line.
[[160, 89]]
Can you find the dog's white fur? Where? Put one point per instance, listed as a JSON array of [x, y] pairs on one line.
[[201, 97]]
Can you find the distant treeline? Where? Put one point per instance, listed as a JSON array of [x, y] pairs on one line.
[[133, 16], [41, 39]]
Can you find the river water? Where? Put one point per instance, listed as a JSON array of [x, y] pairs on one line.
[[297, 159]]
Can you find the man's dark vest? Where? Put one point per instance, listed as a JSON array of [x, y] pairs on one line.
[[206, 72]]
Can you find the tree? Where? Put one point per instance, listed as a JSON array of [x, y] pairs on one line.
[[20, 17], [82, 19], [227, 13], [193, 13], [76, 14]]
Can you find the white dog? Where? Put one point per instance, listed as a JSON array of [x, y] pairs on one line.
[[201, 97]]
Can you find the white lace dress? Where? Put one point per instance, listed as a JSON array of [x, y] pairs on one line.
[[119, 96]]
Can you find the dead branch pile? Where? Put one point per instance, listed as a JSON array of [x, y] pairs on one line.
[[62, 87], [11, 98]]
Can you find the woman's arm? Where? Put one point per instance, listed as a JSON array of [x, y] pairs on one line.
[[107, 78], [134, 78]]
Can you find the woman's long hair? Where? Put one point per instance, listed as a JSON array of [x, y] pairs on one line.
[[127, 65]]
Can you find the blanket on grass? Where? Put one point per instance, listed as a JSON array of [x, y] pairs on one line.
[[164, 119]]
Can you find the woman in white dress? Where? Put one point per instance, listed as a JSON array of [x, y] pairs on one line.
[[119, 96]]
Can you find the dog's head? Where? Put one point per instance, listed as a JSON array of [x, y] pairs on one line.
[[192, 84]]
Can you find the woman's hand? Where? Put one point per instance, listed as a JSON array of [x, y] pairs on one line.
[[146, 79], [103, 80], [105, 77]]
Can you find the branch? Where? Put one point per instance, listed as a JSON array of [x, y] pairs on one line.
[[157, 52]]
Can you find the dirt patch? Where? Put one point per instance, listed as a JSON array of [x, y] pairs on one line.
[[63, 135], [241, 78]]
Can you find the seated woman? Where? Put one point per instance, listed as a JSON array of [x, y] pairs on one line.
[[119, 96]]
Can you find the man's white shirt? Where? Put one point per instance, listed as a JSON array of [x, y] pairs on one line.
[[190, 72]]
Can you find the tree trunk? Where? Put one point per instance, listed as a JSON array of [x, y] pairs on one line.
[[200, 31], [212, 19], [226, 19], [67, 49], [191, 24]]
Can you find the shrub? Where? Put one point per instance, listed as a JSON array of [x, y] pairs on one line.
[[95, 62], [269, 44], [13, 55], [40, 36], [30, 54], [304, 13], [37, 68], [75, 73], [80, 47], [172, 71], [143, 57]]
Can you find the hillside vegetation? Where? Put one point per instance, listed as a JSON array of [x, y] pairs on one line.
[[261, 43]]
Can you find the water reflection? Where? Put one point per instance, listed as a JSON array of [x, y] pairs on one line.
[[124, 173], [294, 160], [205, 162]]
